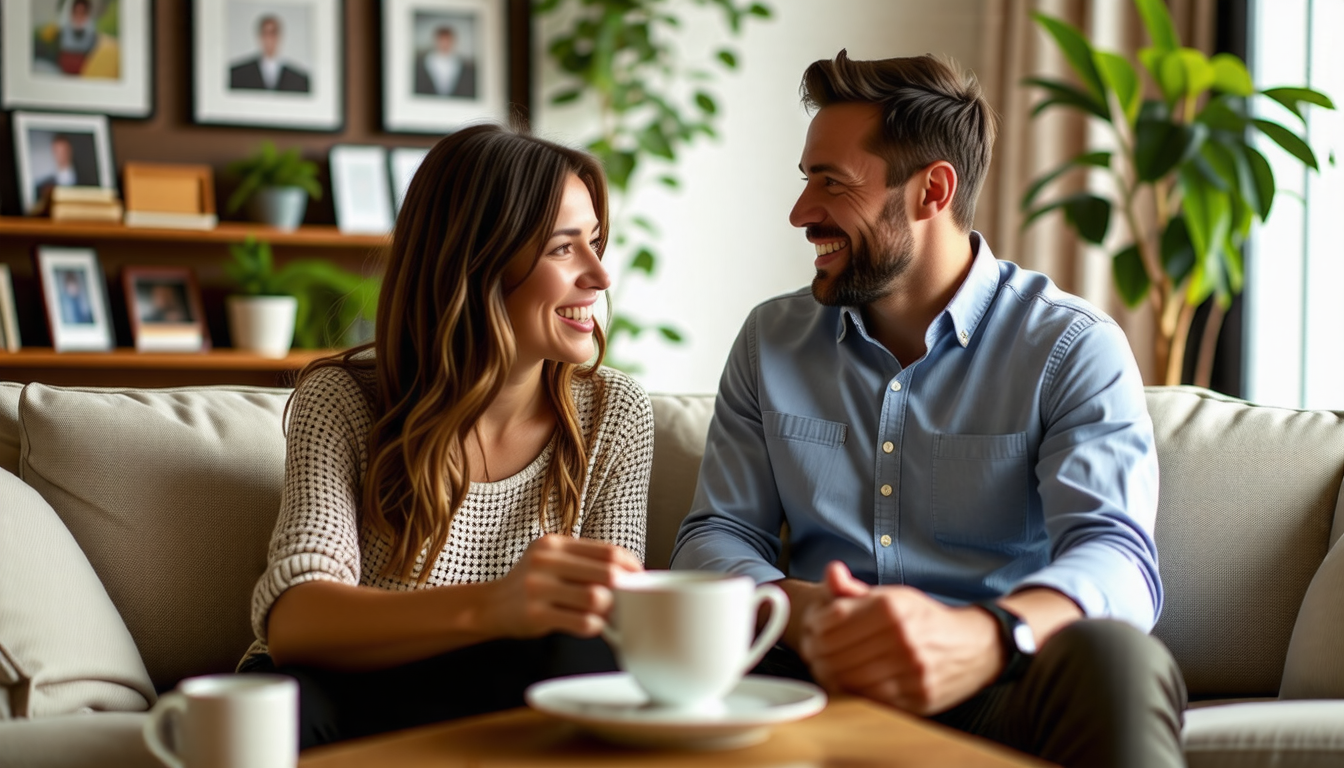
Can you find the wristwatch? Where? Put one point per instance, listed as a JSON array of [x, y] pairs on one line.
[[1016, 639]]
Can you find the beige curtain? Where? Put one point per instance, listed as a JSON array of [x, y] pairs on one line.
[[1013, 47]]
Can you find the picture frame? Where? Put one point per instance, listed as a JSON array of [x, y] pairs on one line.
[[276, 65], [165, 309], [60, 150], [444, 64], [75, 295], [403, 162], [359, 187], [79, 56], [10, 341]]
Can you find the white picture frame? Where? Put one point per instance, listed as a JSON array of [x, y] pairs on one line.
[[75, 294], [421, 98], [86, 159], [359, 186], [9, 318], [403, 162], [47, 65], [231, 82]]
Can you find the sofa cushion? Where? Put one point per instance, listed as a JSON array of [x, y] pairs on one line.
[[172, 494], [1248, 495], [63, 647], [77, 741], [9, 426], [1280, 734], [1315, 665], [680, 424]]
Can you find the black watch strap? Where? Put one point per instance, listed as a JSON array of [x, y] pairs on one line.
[[1015, 638]]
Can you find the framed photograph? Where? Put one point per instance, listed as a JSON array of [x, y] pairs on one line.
[[164, 305], [359, 189], [9, 319], [61, 150], [444, 64], [79, 55], [73, 289], [404, 162], [273, 63]]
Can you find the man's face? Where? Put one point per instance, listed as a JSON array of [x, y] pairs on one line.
[[444, 41], [60, 153], [855, 221], [270, 38], [79, 14]]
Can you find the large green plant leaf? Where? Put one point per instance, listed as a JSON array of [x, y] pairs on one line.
[[1221, 114], [1161, 145], [1065, 95], [1230, 75], [1157, 20], [1290, 141], [1208, 218], [1123, 81], [1178, 255], [1263, 178], [1077, 51], [1294, 98], [1088, 214], [1185, 73], [1131, 278], [1087, 159]]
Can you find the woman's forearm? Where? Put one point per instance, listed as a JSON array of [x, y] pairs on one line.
[[339, 626]]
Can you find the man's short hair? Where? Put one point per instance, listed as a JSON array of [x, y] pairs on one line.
[[445, 30], [269, 18], [930, 112]]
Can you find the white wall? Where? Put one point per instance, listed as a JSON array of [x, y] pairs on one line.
[[726, 241]]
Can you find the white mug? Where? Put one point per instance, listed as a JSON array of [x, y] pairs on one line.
[[228, 721], [685, 636]]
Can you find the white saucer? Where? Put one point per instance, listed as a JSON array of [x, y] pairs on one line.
[[612, 706]]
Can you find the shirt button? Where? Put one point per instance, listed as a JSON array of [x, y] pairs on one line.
[[895, 386], [965, 338], [888, 447], [886, 540], [886, 490]]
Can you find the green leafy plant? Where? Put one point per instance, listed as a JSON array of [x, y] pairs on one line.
[[622, 54], [269, 167], [331, 300], [1188, 182]]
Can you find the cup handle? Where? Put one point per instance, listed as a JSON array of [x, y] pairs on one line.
[[170, 704], [611, 635], [774, 627]]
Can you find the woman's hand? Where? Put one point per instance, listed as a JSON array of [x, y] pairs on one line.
[[561, 584]]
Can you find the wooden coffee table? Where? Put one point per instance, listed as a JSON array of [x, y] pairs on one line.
[[849, 732]]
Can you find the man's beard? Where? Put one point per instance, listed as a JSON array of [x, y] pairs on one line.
[[872, 266]]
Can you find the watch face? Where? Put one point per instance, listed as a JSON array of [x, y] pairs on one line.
[[1024, 638]]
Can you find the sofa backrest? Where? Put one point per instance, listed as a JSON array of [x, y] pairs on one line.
[[1249, 495]]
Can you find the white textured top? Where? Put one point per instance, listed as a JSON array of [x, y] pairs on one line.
[[319, 536]]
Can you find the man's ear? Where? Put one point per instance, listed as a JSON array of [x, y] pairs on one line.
[[936, 188]]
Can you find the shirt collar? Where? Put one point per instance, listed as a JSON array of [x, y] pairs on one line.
[[966, 308]]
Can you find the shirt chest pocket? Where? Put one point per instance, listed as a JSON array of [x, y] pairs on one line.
[[804, 452], [980, 487]]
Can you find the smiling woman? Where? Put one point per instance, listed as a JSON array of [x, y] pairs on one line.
[[462, 492]]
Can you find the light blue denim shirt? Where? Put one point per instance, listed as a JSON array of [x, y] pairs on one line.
[[1017, 452]]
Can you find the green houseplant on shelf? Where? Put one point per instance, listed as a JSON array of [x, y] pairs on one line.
[[309, 303], [651, 103], [275, 186], [1188, 181]]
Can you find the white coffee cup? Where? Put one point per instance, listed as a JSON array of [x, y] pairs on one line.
[[227, 721], [685, 636]]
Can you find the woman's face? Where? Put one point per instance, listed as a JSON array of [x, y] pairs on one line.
[[551, 309]]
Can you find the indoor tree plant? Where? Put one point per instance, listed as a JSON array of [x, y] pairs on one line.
[[1188, 181], [312, 303], [622, 55], [276, 185]]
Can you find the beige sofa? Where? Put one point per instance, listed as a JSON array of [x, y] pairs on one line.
[[129, 547]]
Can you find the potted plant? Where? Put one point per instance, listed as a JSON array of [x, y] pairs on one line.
[[275, 185], [310, 303], [1188, 181]]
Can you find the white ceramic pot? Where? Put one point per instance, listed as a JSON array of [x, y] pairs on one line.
[[262, 324]]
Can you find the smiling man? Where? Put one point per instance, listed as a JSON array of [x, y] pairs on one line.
[[961, 451]]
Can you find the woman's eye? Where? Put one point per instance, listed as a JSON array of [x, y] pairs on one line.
[[561, 250], [596, 245]]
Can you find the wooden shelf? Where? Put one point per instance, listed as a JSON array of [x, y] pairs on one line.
[[124, 367], [224, 232]]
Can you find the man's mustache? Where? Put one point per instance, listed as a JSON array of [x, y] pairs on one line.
[[818, 232]]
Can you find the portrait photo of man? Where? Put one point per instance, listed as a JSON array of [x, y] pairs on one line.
[[61, 159], [74, 297], [267, 67], [444, 64], [162, 301]]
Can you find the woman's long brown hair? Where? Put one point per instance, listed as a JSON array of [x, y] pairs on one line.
[[444, 344]]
